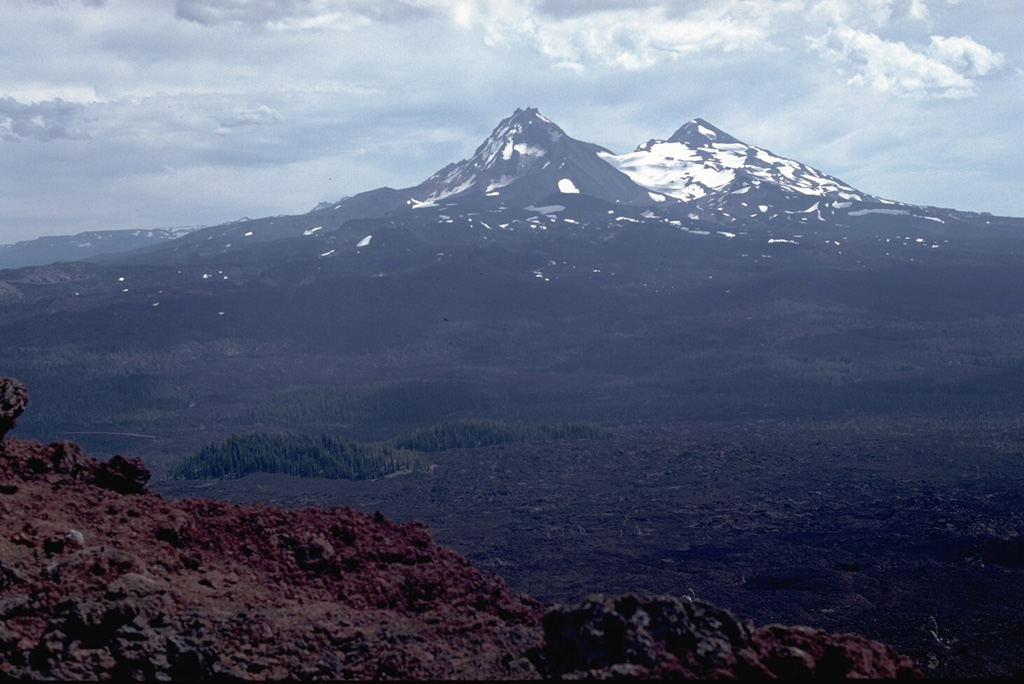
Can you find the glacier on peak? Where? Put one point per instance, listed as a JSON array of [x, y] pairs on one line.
[[716, 176], [700, 160]]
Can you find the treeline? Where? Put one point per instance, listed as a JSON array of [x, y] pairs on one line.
[[331, 457], [302, 455], [59, 402]]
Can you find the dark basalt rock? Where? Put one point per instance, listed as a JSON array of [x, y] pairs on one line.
[[120, 474], [13, 399], [670, 638]]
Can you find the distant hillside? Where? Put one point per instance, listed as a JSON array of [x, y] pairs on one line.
[[49, 249]]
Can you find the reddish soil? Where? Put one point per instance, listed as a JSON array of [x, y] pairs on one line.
[[100, 578], [97, 582]]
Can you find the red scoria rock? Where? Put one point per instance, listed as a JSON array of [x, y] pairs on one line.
[[102, 579]]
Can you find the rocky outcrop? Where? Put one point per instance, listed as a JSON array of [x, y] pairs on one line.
[[63, 463], [670, 638], [13, 399], [102, 579]]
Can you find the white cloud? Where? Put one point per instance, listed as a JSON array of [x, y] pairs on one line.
[[633, 35], [918, 10], [945, 67], [65, 3], [889, 67], [964, 54], [251, 116], [36, 91], [624, 36], [298, 14], [250, 12], [876, 13], [43, 121]]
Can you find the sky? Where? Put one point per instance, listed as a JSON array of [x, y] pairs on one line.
[[126, 114]]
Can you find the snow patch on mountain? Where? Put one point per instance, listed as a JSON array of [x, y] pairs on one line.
[[567, 187], [547, 209], [700, 160], [865, 212], [454, 190], [500, 183], [516, 147]]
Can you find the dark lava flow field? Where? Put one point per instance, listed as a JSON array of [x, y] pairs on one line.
[[906, 534]]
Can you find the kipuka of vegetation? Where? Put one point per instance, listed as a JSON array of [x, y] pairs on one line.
[[332, 457], [302, 455]]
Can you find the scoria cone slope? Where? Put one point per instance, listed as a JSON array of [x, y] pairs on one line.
[[100, 583], [102, 579]]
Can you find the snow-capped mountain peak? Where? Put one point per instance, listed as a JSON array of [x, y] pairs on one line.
[[517, 146], [700, 160], [518, 143], [699, 133], [526, 158]]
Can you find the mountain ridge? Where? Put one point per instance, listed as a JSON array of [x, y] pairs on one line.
[[525, 159], [85, 245], [699, 179], [530, 176]]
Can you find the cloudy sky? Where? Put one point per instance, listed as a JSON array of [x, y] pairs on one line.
[[142, 114]]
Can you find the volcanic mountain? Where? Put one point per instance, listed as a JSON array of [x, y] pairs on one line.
[[529, 176], [528, 159], [87, 245], [720, 177]]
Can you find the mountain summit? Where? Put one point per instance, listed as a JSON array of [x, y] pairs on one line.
[[526, 159], [529, 175], [699, 133], [705, 165]]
